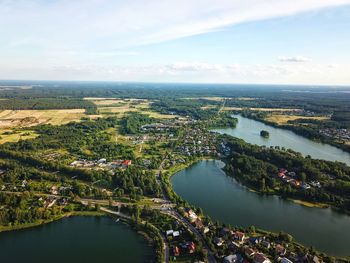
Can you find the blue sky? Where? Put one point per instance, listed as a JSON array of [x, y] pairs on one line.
[[221, 41]]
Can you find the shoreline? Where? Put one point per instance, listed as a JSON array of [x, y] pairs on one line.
[[296, 130], [263, 231], [48, 221]]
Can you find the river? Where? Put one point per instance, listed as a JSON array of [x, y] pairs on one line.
[[205, 185], [249, 130], [75, 239]]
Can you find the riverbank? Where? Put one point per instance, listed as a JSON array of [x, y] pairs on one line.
[[305, 203], [43, 222], [311, 135]]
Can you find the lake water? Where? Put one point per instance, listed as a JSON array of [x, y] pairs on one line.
[[222, 198], [75, 239], [249, 130]]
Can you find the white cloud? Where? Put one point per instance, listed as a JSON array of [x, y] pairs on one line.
[[107, 24], [191, 72], [294, 59], [39, 37]]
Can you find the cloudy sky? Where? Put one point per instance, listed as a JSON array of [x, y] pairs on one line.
[[221, 41]]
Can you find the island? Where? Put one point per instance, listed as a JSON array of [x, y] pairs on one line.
[[264, 134]]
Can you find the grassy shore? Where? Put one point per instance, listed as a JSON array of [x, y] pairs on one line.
[[309, 204], [43, 222]]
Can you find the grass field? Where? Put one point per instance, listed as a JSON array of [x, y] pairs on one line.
[[15, 136], [281, 119]]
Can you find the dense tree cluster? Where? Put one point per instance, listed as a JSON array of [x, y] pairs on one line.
[[258, 167], [47, 103], [24, 208], [131, 123]]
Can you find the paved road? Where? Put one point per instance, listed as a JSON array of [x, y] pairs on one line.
[[165, 243], [172, 212], [191, 228]]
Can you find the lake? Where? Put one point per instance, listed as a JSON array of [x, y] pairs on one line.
[[249, 130], [205, 185], [75, 239]]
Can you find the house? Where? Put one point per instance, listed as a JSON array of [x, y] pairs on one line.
[[280, 250], [249, 252], [315, 259], [176, 251], [255, 240], [191, 247], [169, 232], [24, 183], [176, 233], [49, 202], [218, 241], [315, 184], [198, 223], [266, 244], [233, 258], [54, 190], [190, 214], [282, 170], [102, 160], [239, 236], [233, 246], [260, 258], [286, 260], [205, 230], [63, 201], [225, 232], [305, 186], [292, 174], [126, 163]]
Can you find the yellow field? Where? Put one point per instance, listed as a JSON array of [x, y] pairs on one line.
[[244, 98], [260, 109], [208, 107], [108, 102], [128, 105], [28, 118], [283, 119]]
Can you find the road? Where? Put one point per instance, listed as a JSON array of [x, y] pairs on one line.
[[172, 212], [191, 228], [164, 241]]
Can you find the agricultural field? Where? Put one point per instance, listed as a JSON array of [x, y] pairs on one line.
[[261, 109], [15, 124], [28, 118], [119, 107], [282, 119]]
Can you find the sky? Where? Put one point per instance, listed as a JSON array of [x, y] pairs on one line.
[[202, 41]]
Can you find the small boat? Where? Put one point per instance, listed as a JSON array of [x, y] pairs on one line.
[[117, 220]]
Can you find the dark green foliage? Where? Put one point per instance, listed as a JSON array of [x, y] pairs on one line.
[[258, 167], [47, 103], [131, 124], [264, 134]]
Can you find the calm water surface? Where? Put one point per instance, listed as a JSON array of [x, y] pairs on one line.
[[75, 239], [222, 198], [249, 130]]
